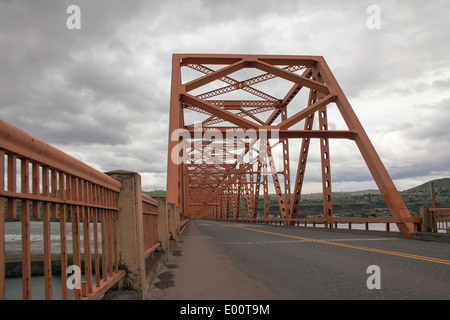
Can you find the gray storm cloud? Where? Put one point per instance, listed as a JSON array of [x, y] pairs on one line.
[[101, 93]]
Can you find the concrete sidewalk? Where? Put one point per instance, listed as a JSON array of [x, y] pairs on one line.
[[199, 269]]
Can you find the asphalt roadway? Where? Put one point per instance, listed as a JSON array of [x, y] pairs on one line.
[[233, 261]]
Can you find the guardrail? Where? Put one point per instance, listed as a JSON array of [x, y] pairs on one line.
[[52, 185], [107, 226], [334, 222], [149, 219]]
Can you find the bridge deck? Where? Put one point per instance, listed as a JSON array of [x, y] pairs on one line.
[[232, 261]]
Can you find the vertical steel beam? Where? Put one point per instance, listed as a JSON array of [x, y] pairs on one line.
[[257, 187], [325, 164], [325, 160], [172, 195], [266, 198], [303, 156], [276, 183], [286, 170]]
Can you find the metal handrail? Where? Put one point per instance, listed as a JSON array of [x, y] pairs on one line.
[[54, 185]]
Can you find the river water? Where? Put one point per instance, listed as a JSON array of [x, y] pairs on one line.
[[13, 237], [13, 245], [13, 288]]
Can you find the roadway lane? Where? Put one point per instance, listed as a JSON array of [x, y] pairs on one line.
[[297, 263]]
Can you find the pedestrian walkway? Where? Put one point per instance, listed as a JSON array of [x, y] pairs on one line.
[[199, 269]]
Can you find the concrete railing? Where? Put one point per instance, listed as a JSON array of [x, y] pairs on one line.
[[109, 218]]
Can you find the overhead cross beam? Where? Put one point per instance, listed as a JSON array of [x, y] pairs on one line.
[[239, 153]]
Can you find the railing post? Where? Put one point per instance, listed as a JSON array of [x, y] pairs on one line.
[[177, 222], [130, 234], [173, 214], [162, 223], [427, 223]]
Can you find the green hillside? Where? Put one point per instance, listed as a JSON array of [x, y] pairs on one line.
[[364, 203], [443, 184], [370, 203], [158, 193]]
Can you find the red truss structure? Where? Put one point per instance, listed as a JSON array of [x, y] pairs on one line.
[[229, 112]]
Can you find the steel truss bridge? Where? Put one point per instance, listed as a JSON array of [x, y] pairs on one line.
[[228, 114]]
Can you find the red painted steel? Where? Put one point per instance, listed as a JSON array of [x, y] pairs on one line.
[[149, 217], [440, 219], [56, 186], [207, 176]]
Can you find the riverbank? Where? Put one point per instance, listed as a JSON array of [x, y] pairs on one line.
[[13, 264]]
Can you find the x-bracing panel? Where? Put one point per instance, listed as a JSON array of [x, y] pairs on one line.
[[228, 115]]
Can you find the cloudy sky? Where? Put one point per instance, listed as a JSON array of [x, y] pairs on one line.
[[101, 93]]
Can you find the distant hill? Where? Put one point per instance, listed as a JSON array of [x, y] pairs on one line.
[[438, 183], [425, 187], [360, 203], [158, 193]]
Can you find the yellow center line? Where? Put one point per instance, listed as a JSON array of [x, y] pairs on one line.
[[394, 253], [196, 237]]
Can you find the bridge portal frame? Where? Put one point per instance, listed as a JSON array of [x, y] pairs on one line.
[[211, 182]]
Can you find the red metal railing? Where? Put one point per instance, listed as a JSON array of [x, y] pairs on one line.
[[149, 217], [49, 185], [184, 220], [440, 218], [334, 222]]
